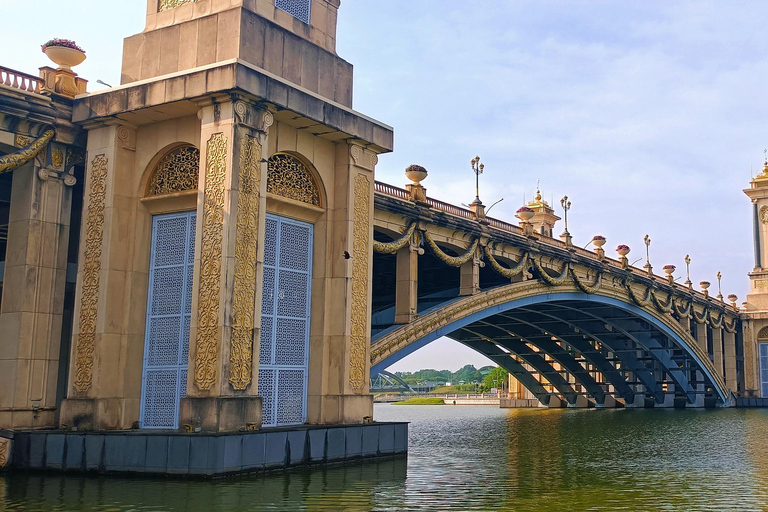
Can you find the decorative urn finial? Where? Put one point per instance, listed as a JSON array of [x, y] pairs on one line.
[[66, 54], [705, 288], [669, 270], [733, 298], [416, 192], [623, 250]]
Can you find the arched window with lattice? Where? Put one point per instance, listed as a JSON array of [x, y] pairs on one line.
[[176, 172], [763, 334], [288, 177]]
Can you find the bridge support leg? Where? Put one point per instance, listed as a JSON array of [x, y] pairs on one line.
[[729, 346], [470, 277], [406, 290], [701, 337], [717, 350]]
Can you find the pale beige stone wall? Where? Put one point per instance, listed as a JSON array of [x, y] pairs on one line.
[[321, 29], [33, 298], [205, 32], [113, 390]]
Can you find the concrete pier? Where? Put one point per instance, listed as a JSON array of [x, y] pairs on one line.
[[206, 455]]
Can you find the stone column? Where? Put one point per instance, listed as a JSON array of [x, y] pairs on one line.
[[343, 362], [717, 350], [406, 289], [104, 385], [701, 334], [33, 291], [223, 366], [470, 277], [729, 341]]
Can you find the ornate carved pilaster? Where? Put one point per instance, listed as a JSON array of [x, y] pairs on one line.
[[89, 298], [207, 353], [253, 124], [361, 234], [246, 252]]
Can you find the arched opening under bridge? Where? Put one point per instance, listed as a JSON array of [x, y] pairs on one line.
[[579, 348]]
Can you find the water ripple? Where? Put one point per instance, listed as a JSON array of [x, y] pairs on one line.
[[477, 458]]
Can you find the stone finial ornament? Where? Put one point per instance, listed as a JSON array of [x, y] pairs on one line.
[[705, 288], [66, 54], [732, 298], [623, 250], [525, 215], [669, 270], [416, 192]]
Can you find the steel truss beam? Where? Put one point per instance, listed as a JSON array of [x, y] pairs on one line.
[[566, 360], [535, 360]]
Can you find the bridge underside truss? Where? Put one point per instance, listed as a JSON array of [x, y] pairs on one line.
[[593, 352]]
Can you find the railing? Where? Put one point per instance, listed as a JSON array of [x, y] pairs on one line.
[[19, 80], [449, 208], [390, 190]]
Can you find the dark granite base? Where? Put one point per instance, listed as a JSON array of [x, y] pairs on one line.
[[202, 454], [752, 402]]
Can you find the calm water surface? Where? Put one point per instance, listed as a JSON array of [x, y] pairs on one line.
[[478, 458]]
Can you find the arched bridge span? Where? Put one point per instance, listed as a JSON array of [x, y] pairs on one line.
[[566, 344], [566, 322]]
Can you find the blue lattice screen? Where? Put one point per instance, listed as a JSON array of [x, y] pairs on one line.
[[299, 9], [169, 304], [285, 320]]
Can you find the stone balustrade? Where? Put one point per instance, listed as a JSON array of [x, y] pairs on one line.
[[19, 80]]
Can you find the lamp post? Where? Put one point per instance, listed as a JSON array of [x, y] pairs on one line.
[[477, 168], [566, 236], [566, 204], [719, 290], [688, 282], [647, 266]]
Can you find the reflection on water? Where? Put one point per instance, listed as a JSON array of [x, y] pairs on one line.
[[478, 458]]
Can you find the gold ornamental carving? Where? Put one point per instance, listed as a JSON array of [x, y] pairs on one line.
[[26, 153], [207, 351], [749, 356], [395, 245], [246, 248], [5, 449], [21, 140], [176, 172], [361, 234], [57, 158], [764, 214], [89, 299], [288, 177], [172, 4]]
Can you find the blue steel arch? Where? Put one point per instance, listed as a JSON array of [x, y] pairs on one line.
[[449, 328]]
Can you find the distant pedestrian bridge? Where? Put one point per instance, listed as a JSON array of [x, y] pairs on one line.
[[573, 326]]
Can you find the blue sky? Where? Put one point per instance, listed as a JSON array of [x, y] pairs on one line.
[[648, 115]]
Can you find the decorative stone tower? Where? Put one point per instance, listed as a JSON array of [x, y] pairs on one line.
[[292, 39], [544, 218], [227, 246], [755, 333]]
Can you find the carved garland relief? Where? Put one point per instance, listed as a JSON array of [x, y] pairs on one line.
[[288, 177], [176, 172], [94, 234], [360, 243], [246, 248], [206, 355]]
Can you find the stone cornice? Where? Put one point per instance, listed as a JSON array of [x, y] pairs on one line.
[[178, 94]]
